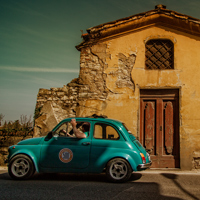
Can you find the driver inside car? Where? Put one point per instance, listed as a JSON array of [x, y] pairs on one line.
[[79, 133]]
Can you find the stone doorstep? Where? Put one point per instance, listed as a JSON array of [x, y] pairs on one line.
[[170, 171]]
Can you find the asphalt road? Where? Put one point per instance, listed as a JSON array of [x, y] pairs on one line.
[[161, 185]]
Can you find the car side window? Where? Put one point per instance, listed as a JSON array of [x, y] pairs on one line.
[[62, 130], [105, 131], [66, 127]]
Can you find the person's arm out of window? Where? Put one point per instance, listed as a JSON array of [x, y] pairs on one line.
[[78, 133]]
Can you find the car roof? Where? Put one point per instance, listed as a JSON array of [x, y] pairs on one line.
[[100, 119]]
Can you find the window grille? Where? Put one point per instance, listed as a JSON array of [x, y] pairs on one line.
[[159, 54]]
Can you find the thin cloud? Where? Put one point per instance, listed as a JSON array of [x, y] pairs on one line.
[[43, 35], [21, 7], [37, 69]]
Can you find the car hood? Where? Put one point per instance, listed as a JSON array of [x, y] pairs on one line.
[[31, 141]]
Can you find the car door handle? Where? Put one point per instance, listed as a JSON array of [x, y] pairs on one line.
[[86, 143]]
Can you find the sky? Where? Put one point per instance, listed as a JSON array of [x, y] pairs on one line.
[[38, 39]]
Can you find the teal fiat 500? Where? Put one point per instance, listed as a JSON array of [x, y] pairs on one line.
[[108, 146]]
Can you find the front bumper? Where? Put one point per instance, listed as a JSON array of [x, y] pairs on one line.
[[144, 166]]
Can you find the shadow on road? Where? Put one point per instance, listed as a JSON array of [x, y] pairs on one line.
[[74, 186], [174, 178], [70, 177]]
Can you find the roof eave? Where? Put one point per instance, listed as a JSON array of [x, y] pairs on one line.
[[165, 18]]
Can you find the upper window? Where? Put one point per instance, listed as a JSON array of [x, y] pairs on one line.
[[159, 54]]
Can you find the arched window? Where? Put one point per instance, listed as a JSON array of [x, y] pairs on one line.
[[159, 54]]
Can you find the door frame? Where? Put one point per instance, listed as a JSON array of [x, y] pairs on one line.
[[160, 94]]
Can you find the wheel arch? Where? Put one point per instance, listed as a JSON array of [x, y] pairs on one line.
[[126, 157], [30, 155]]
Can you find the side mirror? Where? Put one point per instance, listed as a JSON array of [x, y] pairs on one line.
[[49, 136]]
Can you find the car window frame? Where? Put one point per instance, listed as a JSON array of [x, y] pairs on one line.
[[108, 124], [78, 121]]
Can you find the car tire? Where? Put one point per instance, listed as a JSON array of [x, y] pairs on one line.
[[118, 170], [21, 167]]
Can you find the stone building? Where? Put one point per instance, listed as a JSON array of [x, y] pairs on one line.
[[144, 71]]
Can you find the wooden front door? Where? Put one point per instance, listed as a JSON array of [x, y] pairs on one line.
[[159, 126]]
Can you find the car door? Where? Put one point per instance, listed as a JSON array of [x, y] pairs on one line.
[[61, 151], [106, 142]]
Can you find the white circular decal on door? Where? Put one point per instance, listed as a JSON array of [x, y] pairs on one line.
[[65, 155]]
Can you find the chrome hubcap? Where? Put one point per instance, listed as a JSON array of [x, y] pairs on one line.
[[20, 167], [118, 170]]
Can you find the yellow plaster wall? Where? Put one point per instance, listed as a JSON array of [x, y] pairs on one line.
[[123, 103]]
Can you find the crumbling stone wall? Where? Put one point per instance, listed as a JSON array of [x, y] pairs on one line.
[[92, 76], [123, 72], [57, 104], [196, 160], [54, 105], [196, 163], [86, 95]]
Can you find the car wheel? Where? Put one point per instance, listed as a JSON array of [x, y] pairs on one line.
[[118, 170], [21, 167]]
